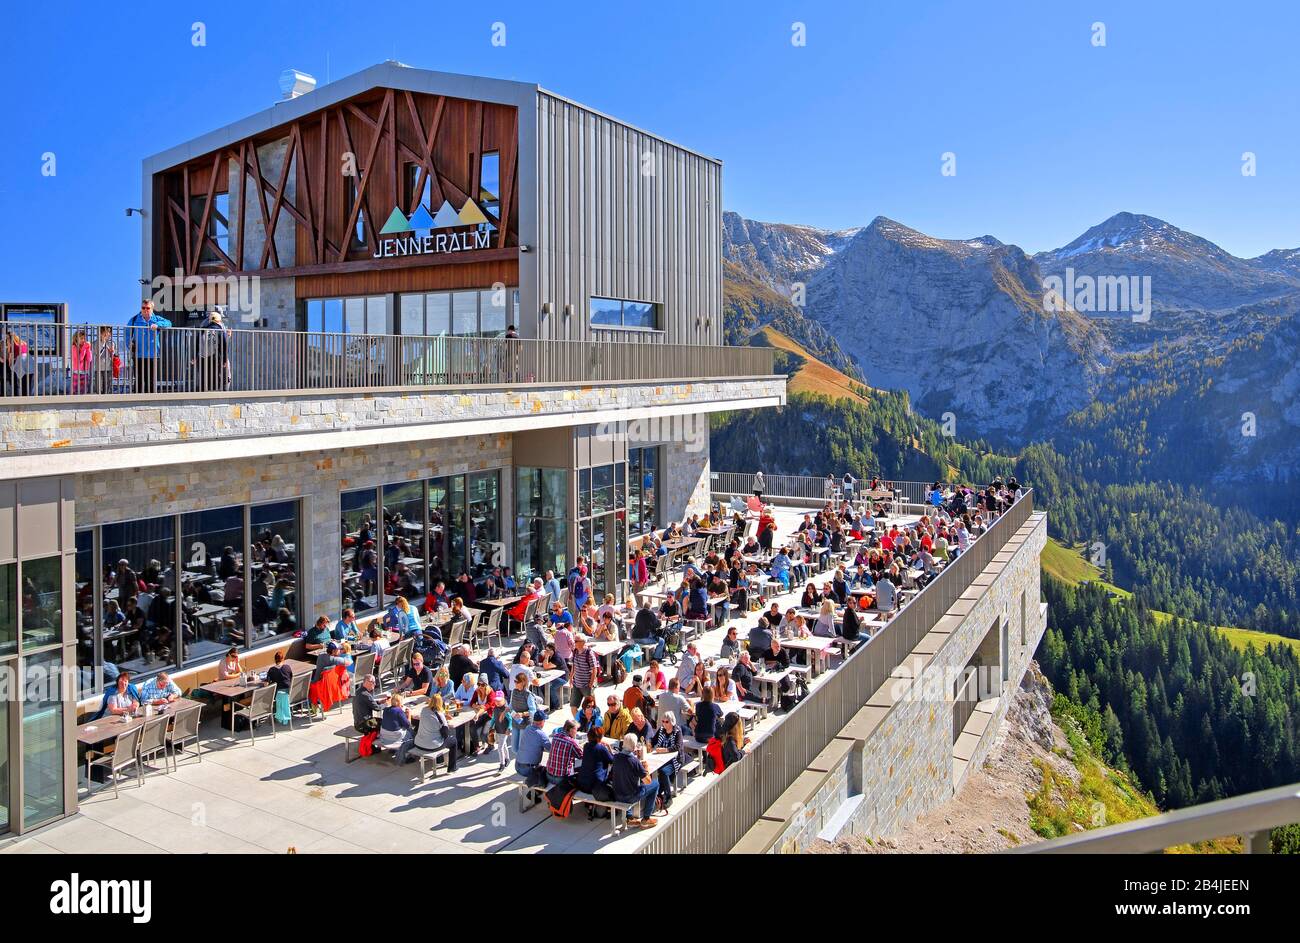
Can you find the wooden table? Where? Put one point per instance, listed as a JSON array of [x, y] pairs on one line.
[[504, 602], [770, 681], [680, 543], [816, 646], [93, 733]]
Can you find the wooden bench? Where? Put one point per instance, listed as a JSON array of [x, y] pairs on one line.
[[430, 760], [538, 795]]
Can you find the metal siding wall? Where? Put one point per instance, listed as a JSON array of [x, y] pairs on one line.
[[607, 229]]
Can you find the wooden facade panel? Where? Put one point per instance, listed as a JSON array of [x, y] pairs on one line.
[[427, 278], [379, 134], [627, 215]]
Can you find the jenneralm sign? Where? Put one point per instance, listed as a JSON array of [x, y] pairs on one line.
[[445, 231]]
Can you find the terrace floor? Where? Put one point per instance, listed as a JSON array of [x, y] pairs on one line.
[[295, 791]]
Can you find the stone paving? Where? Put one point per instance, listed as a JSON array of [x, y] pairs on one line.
[[295, 791]]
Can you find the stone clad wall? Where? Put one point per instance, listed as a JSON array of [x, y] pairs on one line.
[[127, 420], [895, 759], [319, 477]]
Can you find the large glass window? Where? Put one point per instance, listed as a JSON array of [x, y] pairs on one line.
[[87, 634], [484, 313], [489, 184], [275, 532], [8, 608], [615, 312], [362, 314], [212, 587], [439, 528], [541, 521], [483, 509], [42, 738], [404, 540], [360, 558], [42, 602], [642, 478], [132, 565]]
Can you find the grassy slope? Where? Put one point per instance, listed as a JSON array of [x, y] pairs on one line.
[[813, 376], [1069, 565]]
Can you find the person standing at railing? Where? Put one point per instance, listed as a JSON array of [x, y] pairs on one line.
[[759, 484], [17, 366], [107, 364], [143, 344], [81, 360], [213, 358]]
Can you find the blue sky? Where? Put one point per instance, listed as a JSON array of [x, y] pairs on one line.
[[1051, 134]]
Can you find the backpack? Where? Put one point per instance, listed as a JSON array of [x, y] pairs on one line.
[[559, 799], [713, 758], [619, 674]]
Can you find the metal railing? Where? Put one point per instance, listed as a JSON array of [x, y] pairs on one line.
[[716, 819], [181, 360], [1251, 816], [808, 488]]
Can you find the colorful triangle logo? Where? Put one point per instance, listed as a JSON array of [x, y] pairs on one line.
[[396, 223], [445, 217], [421, 219], [471, 215]]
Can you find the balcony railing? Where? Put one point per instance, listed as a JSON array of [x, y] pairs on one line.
[[808, 488], [182, 361]]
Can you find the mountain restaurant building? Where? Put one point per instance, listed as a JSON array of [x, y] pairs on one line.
[[367, 425]]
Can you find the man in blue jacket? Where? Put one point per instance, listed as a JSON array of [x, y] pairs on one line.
[[142, 340]]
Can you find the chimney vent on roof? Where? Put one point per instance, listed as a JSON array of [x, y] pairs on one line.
[[294, 83]]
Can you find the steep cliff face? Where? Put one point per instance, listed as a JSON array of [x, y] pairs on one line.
[[961, 326], [779, 254]]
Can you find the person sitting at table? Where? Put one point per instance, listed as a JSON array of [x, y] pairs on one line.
[[431, 733], [532, 745], [394, 725], [491, 590], [811, 598], [686, 666], [280, 674], [633, 695], [697, 600], [122, 698], [494, 671], [724, 689], [780, 569], [698, 681], [670, 611], [886, 596], [605, 629], [732, 736], [442, 684], [519, 610], [523, 664], [460, 663], [315, 640], [230, 667], [641, 728], [565, 754], [667, 739], [465, 690], [631, 782], [437, 598], [742, 673], [824, 626], [330, 658], [791, 625], [366, 702], [588, 715], [647, 628], [774, 657], [417, 678], [345, 630], [672, 700], [550, 660], [597, 759], [616, 718], [160, 689], [465, 589], [730, 647], [655, 681], [707, 715]]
